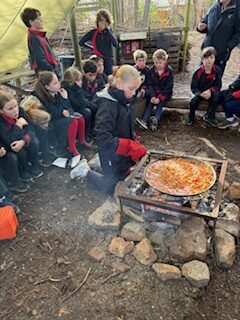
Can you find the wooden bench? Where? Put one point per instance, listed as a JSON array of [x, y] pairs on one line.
[[13, 80]]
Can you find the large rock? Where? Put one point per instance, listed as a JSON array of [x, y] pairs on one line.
[[230, 226], [197, 273], [106, 217], [234, 191], [190, 241], [144, 252], [119, 247], [133, 231], [166, 271], [232, 212], [225, 248]]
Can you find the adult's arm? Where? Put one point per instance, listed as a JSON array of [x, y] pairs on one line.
[[235, 39]]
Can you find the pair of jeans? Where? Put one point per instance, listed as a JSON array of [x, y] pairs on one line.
[[149, 109]]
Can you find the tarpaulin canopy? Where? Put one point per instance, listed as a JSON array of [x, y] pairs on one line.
[[13, 33]]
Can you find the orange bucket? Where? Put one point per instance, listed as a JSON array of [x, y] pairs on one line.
[[8, 223]]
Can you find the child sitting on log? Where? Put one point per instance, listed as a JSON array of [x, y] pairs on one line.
[[206, 84], [159, 90]]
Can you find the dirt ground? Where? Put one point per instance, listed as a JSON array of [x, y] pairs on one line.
[[48, 259]]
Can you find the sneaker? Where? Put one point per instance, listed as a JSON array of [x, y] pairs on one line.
[[213, 122], [81, 170], [188, 121], [153, 123], [20, 187], [142, 123], [26, 176], [11, 196], [36, 173], [227, 124], [45, 162]]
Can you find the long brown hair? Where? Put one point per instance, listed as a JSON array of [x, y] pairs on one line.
[[44, 79]]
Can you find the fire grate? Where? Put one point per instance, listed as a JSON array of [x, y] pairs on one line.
[[136, 193]]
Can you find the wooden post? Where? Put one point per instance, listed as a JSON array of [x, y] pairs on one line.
[[185, 36], [115, 22], [146, 14], [75, 40]]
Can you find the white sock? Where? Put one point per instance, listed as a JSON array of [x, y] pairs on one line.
[[230, 119]]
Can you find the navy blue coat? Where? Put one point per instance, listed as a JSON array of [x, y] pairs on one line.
[[114, 120], [223, 31]]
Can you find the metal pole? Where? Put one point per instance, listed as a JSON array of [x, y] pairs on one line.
[[76, 47], [185, 36]]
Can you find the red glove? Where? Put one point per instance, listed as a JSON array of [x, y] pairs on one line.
[[236, 94], [130, 148]]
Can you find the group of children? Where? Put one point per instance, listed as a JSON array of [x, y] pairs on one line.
[[92, 107]]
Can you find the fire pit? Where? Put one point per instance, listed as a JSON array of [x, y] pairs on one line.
[[142, 197]]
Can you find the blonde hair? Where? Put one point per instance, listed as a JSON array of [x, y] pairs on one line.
[[160, 54], [126, 73], [71, 75], [138, 54]]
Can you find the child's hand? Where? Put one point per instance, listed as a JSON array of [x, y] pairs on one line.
[[17, 146], [66, 113], [63, 93], [2, 152], [202, 26], [21, 122], [206, 94]]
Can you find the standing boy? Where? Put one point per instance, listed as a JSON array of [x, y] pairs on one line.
[[206, 84], [160, 87], [41, 55]]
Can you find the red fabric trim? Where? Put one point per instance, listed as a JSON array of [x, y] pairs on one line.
[[94, 43], [212, 89], [236, 94], [211, 76], [9, 120], [49, 57], [161, 97], [91, 87]]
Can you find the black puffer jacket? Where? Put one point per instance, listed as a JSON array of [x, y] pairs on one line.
[[223, 30], [113, 121]]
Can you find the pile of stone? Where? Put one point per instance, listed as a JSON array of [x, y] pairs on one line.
[[172, 252]]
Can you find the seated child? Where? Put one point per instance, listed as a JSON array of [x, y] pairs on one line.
[[19, 137], [66, 125], [101, 76], [40, 119], [10, 172], [90, 83], [118, 149], [206, 84], [159, 90], [140, 59], [230, 100], [72, 83]]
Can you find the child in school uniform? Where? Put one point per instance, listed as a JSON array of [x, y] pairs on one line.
[[230, 100], [19, 137], [159, 90], [90, 84], [102, 78], [115, 138], [41, 55], [66, 126], [102, 39], [72, 83], [206, 84], [140, 59]]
